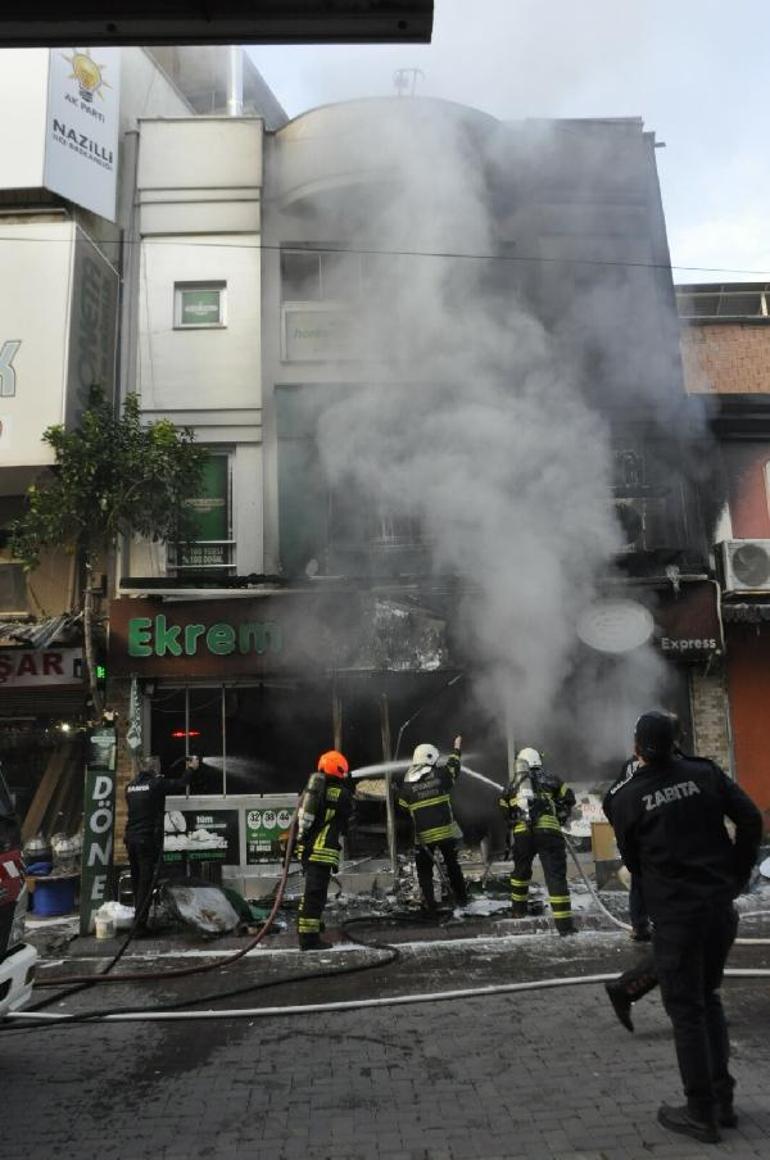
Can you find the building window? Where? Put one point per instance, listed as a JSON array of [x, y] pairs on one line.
[[337, 274], [732, 300], [199, 305], [211, 548], [13, 589]]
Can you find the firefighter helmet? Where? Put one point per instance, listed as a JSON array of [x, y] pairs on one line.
[[425, 755], [333, 763], [531, 756]]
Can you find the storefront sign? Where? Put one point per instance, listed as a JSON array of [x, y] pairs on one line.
[[318, 333], [41, 668], [93, 327], [688, 622], [82, 124], [158, 635], [201, 835], [264, 830], [236, 637], [99, 814]]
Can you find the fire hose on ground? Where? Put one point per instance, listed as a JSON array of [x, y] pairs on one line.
[[627, 927], [34, 1018], [167, 1015]]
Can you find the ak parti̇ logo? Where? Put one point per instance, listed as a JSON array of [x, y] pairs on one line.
[[88, 74]]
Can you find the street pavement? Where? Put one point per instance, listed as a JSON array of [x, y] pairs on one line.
[[548, 1074]]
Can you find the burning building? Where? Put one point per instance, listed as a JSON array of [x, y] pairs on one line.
[[435, 357]]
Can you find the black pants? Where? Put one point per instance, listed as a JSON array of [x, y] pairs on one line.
[[317, 875], [637, 908], [142, 859], [424, 857], [553, 857], [690, 959]]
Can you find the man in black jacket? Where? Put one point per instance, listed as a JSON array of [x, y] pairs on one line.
[[146, 801], [669, 824]]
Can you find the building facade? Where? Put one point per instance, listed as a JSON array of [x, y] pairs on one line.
[[726, 354], [68, 219], [289, 309]]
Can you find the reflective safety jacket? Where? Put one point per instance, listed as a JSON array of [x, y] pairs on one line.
[[328, 801], [428, 802], [537, 802]]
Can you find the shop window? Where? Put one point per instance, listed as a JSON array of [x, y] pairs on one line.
[[199, 305], [210, 550], [13, 589]]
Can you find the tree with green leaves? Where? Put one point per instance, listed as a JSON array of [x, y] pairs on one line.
[[112, 476]]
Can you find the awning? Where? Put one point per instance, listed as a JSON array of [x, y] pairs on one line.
[[41, 634]]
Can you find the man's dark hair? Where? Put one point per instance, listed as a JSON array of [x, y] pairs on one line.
[[654, 735]]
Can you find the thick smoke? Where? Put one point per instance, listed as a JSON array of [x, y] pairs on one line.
[[489, 425]]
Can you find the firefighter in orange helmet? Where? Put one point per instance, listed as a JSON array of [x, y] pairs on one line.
[[324, 813]]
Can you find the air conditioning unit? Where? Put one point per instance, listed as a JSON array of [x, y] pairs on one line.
[[745, 565], [13, 590]]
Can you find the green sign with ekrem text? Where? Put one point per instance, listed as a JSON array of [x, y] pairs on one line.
[[154, 636], [233, 637]]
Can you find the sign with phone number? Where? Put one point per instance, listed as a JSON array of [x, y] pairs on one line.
[[264, 830]]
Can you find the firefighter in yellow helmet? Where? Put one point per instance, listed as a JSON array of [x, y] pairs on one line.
[[537, 805], [326, 807], [425, 795]]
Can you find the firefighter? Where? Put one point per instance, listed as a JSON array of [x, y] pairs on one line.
[[537, 805], [146, 801], [669, 821], [325, 811], [425, 795]]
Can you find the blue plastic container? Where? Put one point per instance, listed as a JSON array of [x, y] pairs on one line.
[[55, 896]]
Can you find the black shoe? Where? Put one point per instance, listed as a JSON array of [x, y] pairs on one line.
[[519, 910], [683, 1121], [726, 1115], [565, 926], [621, 1004], [642, 933], [723, 1090]]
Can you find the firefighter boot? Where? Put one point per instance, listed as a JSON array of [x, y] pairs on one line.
[[519, 910], [565, 926], [313, 942]]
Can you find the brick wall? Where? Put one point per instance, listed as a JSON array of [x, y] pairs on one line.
[[709, 715], [726, 358]]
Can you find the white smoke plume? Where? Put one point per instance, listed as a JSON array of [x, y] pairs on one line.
[[485, 425]]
